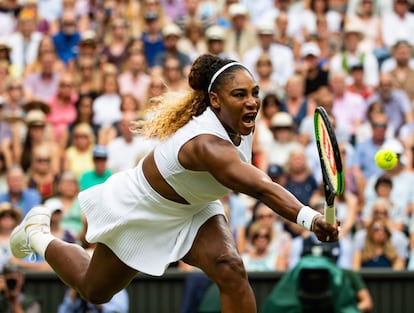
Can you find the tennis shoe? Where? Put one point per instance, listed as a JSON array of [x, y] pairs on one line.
[[36, 220]]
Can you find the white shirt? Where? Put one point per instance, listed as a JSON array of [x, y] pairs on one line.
[[123, 155], [282, 59], [107, 110], [394, 28], [371, 72]]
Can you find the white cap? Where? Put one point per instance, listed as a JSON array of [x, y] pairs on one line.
[[281, 119], [171, 29], [237, 9], [266, 28], [215, 32], [395, 146], [310, 48]]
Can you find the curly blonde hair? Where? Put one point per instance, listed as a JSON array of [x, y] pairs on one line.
[[171, 111]]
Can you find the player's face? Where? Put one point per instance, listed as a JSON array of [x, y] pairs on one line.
[[237, 103]]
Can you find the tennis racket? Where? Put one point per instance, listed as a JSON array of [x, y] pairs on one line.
[[331, 165]]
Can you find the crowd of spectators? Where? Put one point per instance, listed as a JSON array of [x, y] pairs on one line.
[[74, 74]]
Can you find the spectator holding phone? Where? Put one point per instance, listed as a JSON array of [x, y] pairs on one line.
[[12, 297]]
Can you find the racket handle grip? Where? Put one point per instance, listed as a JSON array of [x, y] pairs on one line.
[[330, 214]]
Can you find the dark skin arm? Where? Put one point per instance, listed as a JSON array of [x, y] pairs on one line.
[[221, 159]]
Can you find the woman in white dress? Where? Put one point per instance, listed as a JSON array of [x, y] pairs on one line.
[[167, 208]]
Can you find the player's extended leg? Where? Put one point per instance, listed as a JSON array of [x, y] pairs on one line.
[[214, 251], [97, 279]]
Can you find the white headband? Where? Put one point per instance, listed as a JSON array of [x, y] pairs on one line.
[[221, 70]]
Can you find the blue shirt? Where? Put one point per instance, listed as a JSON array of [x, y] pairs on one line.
[[66, 46], [364, 157], [30, 198], [152, 48]]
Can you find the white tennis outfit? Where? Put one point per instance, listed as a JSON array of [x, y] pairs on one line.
[[145, 230]]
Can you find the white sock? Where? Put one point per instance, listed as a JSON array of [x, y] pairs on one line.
[[39, 238]]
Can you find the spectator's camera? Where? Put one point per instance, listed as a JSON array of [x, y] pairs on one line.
[[11, 283]]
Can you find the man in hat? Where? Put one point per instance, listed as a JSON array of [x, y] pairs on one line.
[[215, 38], [100, 173], [281, 56], [351, 55]]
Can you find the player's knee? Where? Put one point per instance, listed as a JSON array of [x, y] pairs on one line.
[[96, 295], [230, 270]]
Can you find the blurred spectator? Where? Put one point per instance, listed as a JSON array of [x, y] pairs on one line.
[[193, 42], [308, 66], [378, 250], [9, 218], [152, 38], [89, 46], [106, 107], [366, 18], [173, 75], [281, 56], [241, 35], [299, 178], [18, 194], [100, 173], [364, 131], [44, 82], [41, 175], [67, 39], [364, 167], [396, 103], [13, 101], [358, 85], [39, 133], [149, 11], [134, 79], [402, 55], [42, 25], [25, 41], [295, 102], [351, 55], [9, 141], [263, 136], [348, 107], [84, 114], [282, 35], [215, 39], [115, 49], [398, 24], [156, 88], [78, 156], [402, 76], [67, 201], [196, 10], [281, 239], [264, 69], [284, 139], [171, 34], [125, 150], [46, 46], [320, 8], [9, 11], [260, 257], [87, 78], [5, 56], [402, 186], [13, 298], [62, 108], [383, 208], [73, 303]]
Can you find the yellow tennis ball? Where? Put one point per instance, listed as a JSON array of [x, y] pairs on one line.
[[386, 159]]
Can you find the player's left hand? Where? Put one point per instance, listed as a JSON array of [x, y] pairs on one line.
[[325, 231]]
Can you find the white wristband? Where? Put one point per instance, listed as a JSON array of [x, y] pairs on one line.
[[305, 217]]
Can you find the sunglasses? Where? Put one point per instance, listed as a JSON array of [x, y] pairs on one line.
[[263, 216], [379, 125], [42, 160], [266, 236]]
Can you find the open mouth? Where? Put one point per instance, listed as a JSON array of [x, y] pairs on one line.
[[249, 118]]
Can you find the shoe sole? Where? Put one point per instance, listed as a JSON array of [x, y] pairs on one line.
[[19, 236]]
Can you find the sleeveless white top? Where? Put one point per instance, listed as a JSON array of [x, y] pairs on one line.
[[196, 186]]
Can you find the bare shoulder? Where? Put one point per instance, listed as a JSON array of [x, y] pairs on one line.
[[204, 151]]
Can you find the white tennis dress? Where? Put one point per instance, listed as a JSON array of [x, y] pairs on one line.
[[145, 230]]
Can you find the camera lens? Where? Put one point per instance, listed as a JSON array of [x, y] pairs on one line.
[[11, 283]]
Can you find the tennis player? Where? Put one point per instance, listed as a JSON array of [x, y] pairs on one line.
[[166, 208]]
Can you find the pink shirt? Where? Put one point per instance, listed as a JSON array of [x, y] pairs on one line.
[[350, 110], [138, 87], [61, 116]]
